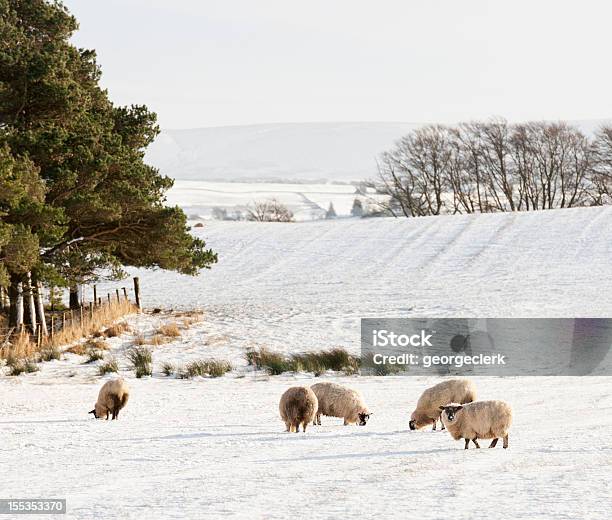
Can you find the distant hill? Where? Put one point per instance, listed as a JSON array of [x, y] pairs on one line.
[[289, 152], [286, 152]]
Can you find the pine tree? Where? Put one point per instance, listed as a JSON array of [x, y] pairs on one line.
[[357, 209], [100, 206]]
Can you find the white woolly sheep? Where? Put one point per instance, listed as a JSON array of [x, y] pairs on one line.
[[298, 405], [113, 396], [479, 420], [428, 406], [339, 401]]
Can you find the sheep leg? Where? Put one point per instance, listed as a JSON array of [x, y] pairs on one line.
[[288, 426], [297, 428], [434, 425], [319, 419], [304, 426], [493, 443], [467, 444], [505, 442], [116, 406], [345, 422], [475, 442]]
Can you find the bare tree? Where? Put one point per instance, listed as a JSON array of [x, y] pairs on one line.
[[600, 179], [494, 166], [269, 211]]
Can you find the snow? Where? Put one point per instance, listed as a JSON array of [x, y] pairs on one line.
[[210, 448], [214, 448], [307, 201]]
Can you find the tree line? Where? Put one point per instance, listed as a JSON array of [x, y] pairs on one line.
[[495, 166], [77, 199]]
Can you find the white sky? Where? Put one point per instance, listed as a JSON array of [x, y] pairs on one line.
[[221, 62]]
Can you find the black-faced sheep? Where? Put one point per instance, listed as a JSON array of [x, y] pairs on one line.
[[479, 420], [428, 406], [113, 396], [298, 405], [338, 401]]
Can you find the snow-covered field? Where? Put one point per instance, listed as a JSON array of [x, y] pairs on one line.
[[211, 448], [307, 201]]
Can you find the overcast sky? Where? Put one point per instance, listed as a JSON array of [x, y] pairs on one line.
[[223, 62]]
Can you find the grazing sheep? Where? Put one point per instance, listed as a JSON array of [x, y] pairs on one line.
[[339, 401], [298, 405], [479, 420], [428, 406], [113, 396]]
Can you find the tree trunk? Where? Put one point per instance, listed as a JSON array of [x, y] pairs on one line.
[[40, 308], [15, 293], [30, 302], [74, 297]]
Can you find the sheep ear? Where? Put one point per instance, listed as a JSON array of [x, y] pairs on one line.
[[441, 408], [93, 411], [459, 407]]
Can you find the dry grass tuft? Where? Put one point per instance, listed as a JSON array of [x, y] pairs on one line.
[[158, 340], [116, 329], [110, 366], [139, 340], [170, 330], [20, 366]]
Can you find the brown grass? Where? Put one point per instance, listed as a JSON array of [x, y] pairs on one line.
[[158, 340], [81, 349], [116, 329], [186, 323], [23, 346], [170, 330], [139, 340]]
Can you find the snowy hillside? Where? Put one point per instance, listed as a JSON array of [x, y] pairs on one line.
[[211, 448], [308, 283]]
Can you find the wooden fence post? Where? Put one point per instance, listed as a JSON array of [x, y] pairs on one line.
[[95, 289], [108, 296], [52, 327], [91, 310], [137, 291], [125, 293], [118, 299]]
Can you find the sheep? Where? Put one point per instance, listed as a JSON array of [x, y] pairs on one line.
[[298, 405], [428, 406], [339, 401], [113, 396], [479, 420]]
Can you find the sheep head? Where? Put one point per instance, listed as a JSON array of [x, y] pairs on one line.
[[419, 420], [363, 418], [450, 410]]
